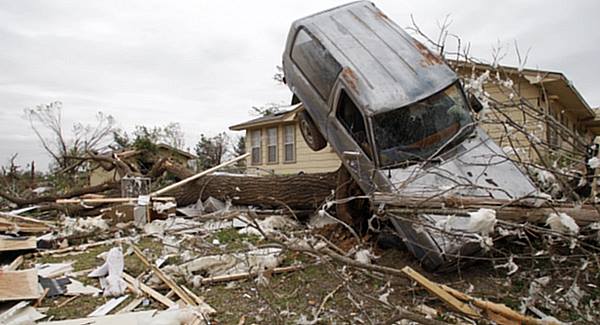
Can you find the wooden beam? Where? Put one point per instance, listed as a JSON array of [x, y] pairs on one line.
[[436, 290], [110, 200], [168, 281], [496, 309], [19, 285], [149, 291], [240, 276], [194, 177], [14, 265], [16, 244]]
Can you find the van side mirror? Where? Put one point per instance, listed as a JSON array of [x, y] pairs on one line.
[[475, 104]]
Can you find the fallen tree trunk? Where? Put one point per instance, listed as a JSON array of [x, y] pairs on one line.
[[306, 191], [516, 211]]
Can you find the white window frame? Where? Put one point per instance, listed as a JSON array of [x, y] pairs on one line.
[[289, 142], [272, 145], [256, 144]]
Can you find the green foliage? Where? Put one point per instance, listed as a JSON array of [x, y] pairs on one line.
[[210, 150], [240, 149], [147, 138]]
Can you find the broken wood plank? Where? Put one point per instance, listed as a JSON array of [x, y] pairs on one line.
[[436, 290], [151, 292], [40, 299], [108, 306], [110, 200], [194, 177], [204, 307], [17, 243], [498, 309], [19, 285], [25, 219], [53, 270], [14, 265], [140, 317], [131, 306], [21, 313], [66, 302], [168, 281], [240, 276]]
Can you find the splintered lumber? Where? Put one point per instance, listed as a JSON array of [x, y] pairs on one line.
[[299, 192], [14, 223], [19, 285], [110, 200], [240, 276], [140, 317], [108, 306], [194, 177], [131, 306], [497, 309], [18, 243], [52, 198], [168, 281], [149, 291], [519, 211], [440, 293], [14, 265]]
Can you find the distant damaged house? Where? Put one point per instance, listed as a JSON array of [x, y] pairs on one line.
[[551, 94], [276, 146], [104, 172]]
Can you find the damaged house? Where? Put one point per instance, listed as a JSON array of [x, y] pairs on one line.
[[104, 172], [277, 145], [548, 93]]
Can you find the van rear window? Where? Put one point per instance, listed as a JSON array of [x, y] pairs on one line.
[[315, 62]]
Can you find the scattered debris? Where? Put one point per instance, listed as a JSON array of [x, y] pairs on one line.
[[111, 273], [19, 285]]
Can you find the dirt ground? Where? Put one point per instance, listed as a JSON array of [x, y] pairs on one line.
[[323, 292]]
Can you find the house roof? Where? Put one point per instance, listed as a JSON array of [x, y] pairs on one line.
[[287, 114], [594, 124], [555, 83], [179, 151]]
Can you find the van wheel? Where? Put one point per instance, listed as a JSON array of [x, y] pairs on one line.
[[313, 138]]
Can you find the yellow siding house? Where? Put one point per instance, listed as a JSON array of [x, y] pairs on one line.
[[277, 147]]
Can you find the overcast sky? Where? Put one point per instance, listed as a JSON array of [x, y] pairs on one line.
[[204, 64]]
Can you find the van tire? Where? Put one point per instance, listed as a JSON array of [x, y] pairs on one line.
[[312, 136]]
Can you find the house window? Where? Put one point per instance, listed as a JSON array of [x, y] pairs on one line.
[[288, 143], [272, 145], [256, 153]]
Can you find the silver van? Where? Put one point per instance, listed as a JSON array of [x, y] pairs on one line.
[[397, 116]]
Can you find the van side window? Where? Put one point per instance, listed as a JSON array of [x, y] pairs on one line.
[[351, 118], [315, 62]]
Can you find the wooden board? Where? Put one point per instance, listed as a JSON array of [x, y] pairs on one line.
[[17, 244], [440, 293], [142, 317], [19, 285]]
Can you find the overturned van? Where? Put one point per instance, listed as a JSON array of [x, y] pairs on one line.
[[398, 118]]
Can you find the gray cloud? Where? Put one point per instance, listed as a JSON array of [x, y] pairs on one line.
[[204, 64]]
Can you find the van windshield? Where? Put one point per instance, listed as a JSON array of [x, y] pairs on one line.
[[417, 131]]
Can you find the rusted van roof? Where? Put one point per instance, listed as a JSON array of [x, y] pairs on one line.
[[384, 65]]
